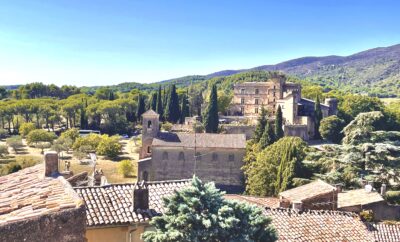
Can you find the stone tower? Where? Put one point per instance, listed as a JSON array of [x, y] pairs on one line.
[[333, 105], [150, 127]]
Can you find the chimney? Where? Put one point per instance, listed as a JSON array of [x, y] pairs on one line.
[[383, 189], [338, 188], [51, 164], [140, 196], [298, 206]]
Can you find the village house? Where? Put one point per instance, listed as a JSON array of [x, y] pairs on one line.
[[172, 156], [297, 112], [37, 204], [121, 212]]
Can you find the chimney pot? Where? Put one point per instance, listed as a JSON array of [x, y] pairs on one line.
[[140, 196], [297, 206], [383, 189], [51, 163]]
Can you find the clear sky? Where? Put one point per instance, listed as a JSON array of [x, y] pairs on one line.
[[82, 42]]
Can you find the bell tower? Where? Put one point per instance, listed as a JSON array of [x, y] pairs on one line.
[[150, 127]]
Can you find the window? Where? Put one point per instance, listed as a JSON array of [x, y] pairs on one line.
[[274, 94], [165, 155], [198, 156], [242, 101], [241, 91], [148, 149], [181, 156], [256, 110], [149, 124], [274, 87], [242, 110], [231, 157], [256, 91], [214, 156], [256, 101]]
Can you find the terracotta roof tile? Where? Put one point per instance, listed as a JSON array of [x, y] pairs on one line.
[[385, 232], [270, 202], [113, 204], [308, 191], [27, 193], [358, 197], [318, 225]]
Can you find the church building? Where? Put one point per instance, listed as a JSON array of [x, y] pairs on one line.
[[176, 156]]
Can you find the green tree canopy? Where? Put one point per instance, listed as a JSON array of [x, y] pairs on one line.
[[279, 123], [317, 118], [331, 128], [268, 137], [172, 113], [261, 122], [200, 213]]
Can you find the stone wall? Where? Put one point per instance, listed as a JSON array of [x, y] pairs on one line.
[[296, 130], [211, 165], [240, 129], [381, 210], [65, 226]]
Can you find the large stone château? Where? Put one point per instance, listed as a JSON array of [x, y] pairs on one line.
[[298, 112], [174, 156]]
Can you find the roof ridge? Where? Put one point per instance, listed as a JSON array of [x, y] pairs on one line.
[[127, 184], [313, 211]]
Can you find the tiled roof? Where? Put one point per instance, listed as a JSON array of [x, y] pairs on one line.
[[202, 140], [308, 191], [27, 194], [113, 204], [270, 202], [358, 197], [318, 225], [150, 112], [385, 232]]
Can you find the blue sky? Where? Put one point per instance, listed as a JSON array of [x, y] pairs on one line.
[[80, 43]]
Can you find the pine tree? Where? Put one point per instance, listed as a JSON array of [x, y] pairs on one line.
[[200, 213], [262, 121], [141, 107], [111, 95], [278, 123], [184, 109], [211, 115], [172, 113], [84, 119], [159, 108], [317, 118], [268, 136]]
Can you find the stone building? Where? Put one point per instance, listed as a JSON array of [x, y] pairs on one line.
[[37, 204], [297, 112], [171, 156]]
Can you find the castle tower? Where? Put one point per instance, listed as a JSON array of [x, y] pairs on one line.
[[333, 105], [150, 127]]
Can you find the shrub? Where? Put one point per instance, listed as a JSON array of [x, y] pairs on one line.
[[15, 142], [331, 128], [40, 136], [26, 128], [3, 150], [91, 140], [72, 134], [13, 167], [167, 126], [109, 146], [82, 151], [28, 160], [125, 168], [393, 197], [367, 215], [3, 133]]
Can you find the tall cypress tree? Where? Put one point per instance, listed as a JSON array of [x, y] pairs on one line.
[[211, 115], [317, 118], [268, 136], [153, 101], [184, 109], [140, 108], [172, 113], [159, 108], [84, 119], [278, 123], [262, 121]]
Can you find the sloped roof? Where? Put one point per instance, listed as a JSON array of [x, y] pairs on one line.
[[28, 193], [202, 140], [113, 204], [150, 112], [383, 232], [318, 225], [358, 197], [308, 191], [270, 202]]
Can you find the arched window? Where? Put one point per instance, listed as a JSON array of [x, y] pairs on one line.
[[165, 155], [181, 156], [231, 157], [214, 156], [145, 176], [149, 124]]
